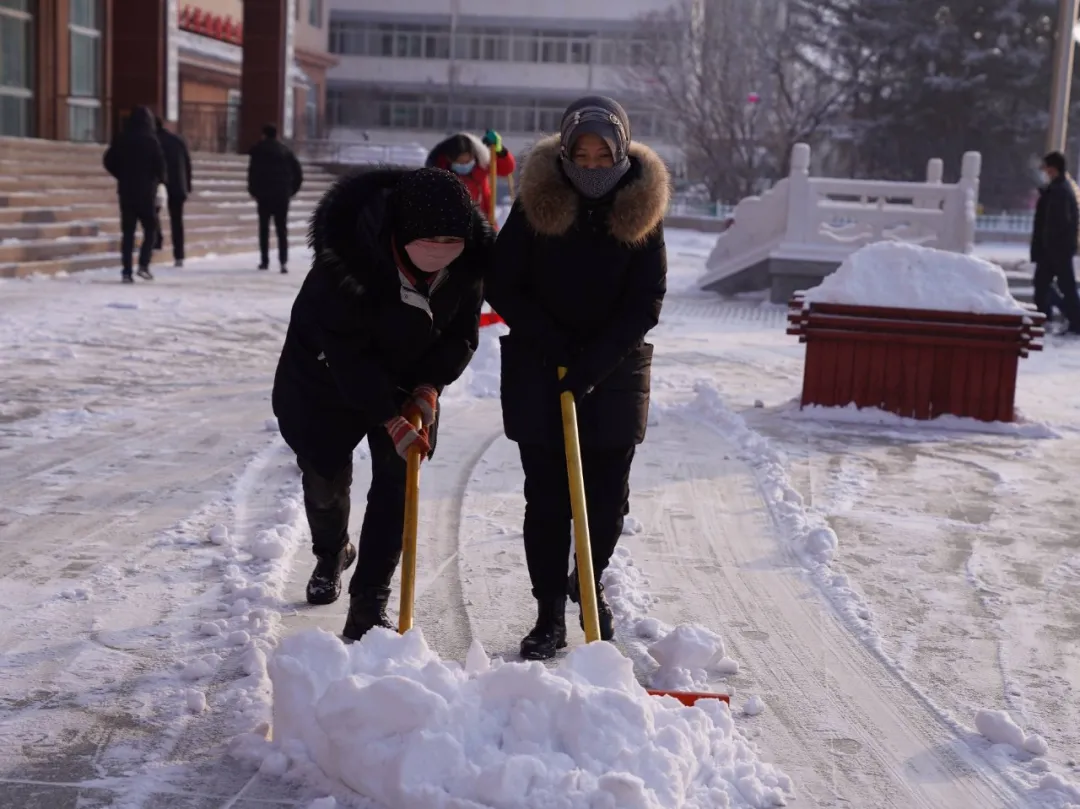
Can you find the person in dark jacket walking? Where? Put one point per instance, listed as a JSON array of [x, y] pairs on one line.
[[137, 162], [274, 177], [1054, 240], [178, 167], [388, 316], [580, 275]]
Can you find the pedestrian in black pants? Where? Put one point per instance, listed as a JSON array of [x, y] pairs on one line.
[[137, 162], [1054, 240], [387, 317], [580, 275], [178, 188], [274, 177]]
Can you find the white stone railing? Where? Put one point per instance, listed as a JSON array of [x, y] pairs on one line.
[[823, 219]]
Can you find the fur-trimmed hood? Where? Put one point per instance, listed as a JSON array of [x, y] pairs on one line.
[[348, 231], [448, 149], [551, 204]]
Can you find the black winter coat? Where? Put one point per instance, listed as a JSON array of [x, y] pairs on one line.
[[274, 173], [136, 160], [177, 164], [1057, 223], [581, 283], [354, 348]]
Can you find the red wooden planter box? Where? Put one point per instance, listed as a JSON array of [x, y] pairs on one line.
[[917, 363]]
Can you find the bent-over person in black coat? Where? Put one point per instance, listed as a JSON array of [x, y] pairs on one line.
[[388, 316], [580, 274], [137, 162]]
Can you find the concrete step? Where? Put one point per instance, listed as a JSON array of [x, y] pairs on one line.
[[14, 183], [48, 230], [69, 198], [109, 242], [163, 258], [105, 209]]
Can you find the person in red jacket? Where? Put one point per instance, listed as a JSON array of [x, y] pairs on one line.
[[470, 158]]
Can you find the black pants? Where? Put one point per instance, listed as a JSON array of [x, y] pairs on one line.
[[1060, 270], [547, 510], [176, 224], [131, 215], [278, 210], [327, 503]]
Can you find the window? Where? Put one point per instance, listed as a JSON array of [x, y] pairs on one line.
[[311, 112], [84, 106], [16, 75], [315, 13]]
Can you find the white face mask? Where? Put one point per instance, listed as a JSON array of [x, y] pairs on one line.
[[1044, 178]]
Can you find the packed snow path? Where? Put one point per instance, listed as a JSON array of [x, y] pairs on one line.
[[133, 428]]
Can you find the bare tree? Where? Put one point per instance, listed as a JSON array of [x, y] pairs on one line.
[[742, 83]]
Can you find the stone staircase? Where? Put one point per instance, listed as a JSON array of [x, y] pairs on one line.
[[59, 211]]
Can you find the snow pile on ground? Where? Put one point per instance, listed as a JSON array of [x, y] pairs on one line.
[[390, 720], [999, 728], [813, 540], [853, 414], [481, 378], [908, 276]]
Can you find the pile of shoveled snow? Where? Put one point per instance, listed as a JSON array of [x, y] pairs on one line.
[[999, 728], [391, 721], [908, 276], [481, 378]]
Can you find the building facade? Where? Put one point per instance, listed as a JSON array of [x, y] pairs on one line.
[[70, 69], [419, 69]]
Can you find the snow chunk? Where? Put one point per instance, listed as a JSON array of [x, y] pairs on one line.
[[77, 594], [268, 545], [908, 276], [477, 661], [999, 728], [688, 647], [323, 803], [631, 526], [271, 425], [754, 706], [196, 700], [219, 534], [391, 721]]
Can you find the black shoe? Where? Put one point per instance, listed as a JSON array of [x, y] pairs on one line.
[[265, 265], [367, 609], [178, 263], [549, 634], [324, 586], [127, 278], [603, 609], [144, 273], [284, 270]]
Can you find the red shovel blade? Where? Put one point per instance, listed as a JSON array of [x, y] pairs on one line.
[[690, 697]]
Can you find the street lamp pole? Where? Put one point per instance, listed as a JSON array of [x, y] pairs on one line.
[[1063, 68]]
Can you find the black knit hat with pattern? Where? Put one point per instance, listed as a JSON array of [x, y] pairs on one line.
[[430, 202]]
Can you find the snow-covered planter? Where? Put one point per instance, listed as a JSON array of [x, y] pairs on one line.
[[916, 332]]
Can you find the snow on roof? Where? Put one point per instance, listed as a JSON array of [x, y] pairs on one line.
[[908, 276], [208, 47]]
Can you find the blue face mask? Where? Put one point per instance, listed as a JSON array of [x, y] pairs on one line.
[[464, 168]]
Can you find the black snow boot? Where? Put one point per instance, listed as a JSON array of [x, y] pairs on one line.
[[324, 586], [127, 278], [549, 634], [367, 609], [603, 609], [145, 274]]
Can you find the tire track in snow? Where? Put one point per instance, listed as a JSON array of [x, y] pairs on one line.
[[838, 717]]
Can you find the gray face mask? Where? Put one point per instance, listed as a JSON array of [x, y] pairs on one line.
[[594, 183]]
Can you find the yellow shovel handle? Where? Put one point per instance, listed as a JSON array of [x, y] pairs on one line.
[[408, 536], [582, 546]]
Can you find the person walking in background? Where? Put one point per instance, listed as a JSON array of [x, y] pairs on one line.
[[178, 168], [579, 276], [388, 315], [136, 160], [469, 158], [274, 177], [1054, 240]]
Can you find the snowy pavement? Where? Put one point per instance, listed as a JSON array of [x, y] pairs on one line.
[[877, 584]]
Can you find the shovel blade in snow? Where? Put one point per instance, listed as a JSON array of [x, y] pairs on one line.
[[689, 698]]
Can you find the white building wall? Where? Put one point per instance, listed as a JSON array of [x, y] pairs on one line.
[[462, 81]]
